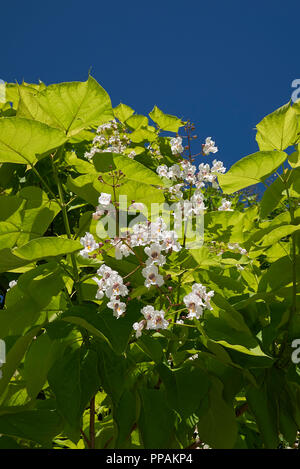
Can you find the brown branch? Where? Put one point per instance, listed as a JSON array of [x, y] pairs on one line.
[[85, 438], [240, 410]]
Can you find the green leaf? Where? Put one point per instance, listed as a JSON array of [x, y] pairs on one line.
[[232, 226], [143, 135], [125, 418], [226, 326], [218, 426], [251, 170], [89, 188], [182, 382], [10, 262], [123, 112], [47, 247], [157, 421], [262, 404], [278, 233], [39, 359], [113, 370], [14, 358], [25, 141], [136, 121], [279, 274], [28, 302], [28, 215], [74, 380], [294, 158], [8, 234], [71, 107], [102, 324], [133, 170], [165, 121], [271, 197], [278, 130], [82, 166], [40, 426]]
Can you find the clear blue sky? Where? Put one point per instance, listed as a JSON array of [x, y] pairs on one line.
[[223, 64]]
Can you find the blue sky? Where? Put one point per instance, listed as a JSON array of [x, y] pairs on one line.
[[222, 64]]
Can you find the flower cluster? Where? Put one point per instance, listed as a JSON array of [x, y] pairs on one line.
[[157, 240], [186, 173], [198, 300], [111, 284], [110, 138], [236, 246], [153, 319]]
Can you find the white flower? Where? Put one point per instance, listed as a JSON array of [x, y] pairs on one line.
[[153, 319], [159, 321], [137, 206], [233, 246], [194, 305], [98, 214], [89, 244], [131, 155], [209, 146], [204, 172], [112, 285], [157, 228], [162, 170], [12, 284], [226, 206], [140, 235], [218, 167], [105, 271], [155, 256], [101, 286], [176, 145], [112, 125], [175, 191], [198, 203], [117, 306], [147, 312], [174, 172], [104, 199], [194, 357], [115, 287], [239, 267], [200, 290], [169, 241], [122, 250], [188, 171], [197, 300], [138, 327], [152, 276]]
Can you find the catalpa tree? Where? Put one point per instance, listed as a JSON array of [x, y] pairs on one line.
[[150, 301]]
